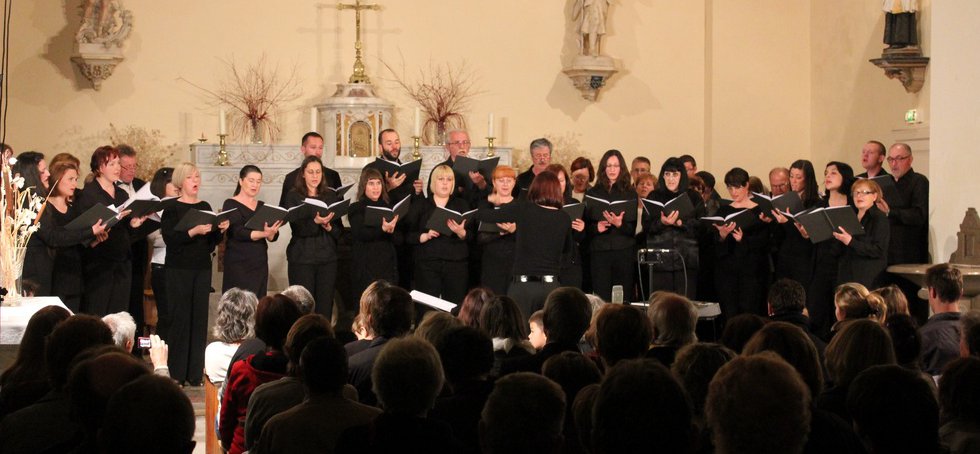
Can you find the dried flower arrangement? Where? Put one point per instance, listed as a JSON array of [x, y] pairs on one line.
[[152, 151], [443, 93], [565, 149], [20, 208], [255, 93]]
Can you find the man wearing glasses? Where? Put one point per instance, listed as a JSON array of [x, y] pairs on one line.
[[129, 165], [908, 216], [472, 187], [779, 181], [541, 159]]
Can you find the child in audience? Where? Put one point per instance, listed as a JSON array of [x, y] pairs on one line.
[[537, 336]]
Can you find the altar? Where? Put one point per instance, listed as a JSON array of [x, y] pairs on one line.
[[218, 182]]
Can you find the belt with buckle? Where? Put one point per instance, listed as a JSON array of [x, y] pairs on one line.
[[548, 279]]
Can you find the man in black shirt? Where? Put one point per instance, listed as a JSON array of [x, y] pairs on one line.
[[540, 150], [391, 149], [872, 157], [472, 187], [312, 145]]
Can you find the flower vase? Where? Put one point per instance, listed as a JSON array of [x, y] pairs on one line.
[[256, 129], [441, 130], [11, 274]]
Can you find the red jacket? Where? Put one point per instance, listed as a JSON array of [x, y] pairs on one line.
[[240, 384]]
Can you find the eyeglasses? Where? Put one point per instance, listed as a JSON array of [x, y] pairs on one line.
[[460, 143], [895, 159], [865, 192], [131, 167], [783, 185]]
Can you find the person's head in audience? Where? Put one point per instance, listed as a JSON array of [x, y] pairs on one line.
[[758, 404], [390, 312], [786, 296], [779, 180], [359, 328], [407, 376], [739, 330], [959, 395], [302, 297], [536, 337], [469, 311], [973, 341], [70, 338], [899, 159], [690, 165], [641, 407], [856, 347], [792, 344], [894, 299], [501, 318], [435, 325], [236, 316], [274, 316], [94, 379], [324, 366], [369, 298], [466, 354], [872, 156], [148, 415], [622, 332], [853, 301], [567, 314], [524, 414], [674, 319], [306, 328], [695, 366], [29, 364], [572, 371], [945, 285], [123, 329], [906, 340], [968, 320], [894, 410]]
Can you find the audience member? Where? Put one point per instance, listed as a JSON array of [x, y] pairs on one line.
[[536, 328], [469, 311], [853, 301], [907, 343], [573, 372], [523, 414], [502, 320], [302, 297], [674, 319], [315, 425], [894, 411], [858, 346], [389, 315], [368, 298], [622, 332], [695, 366], [787, 299], [972, 340], [435, 325], [149, 415], [92, 382], [235, 324], [467, 357], [894, 299], [758, 404], [959, 405], [123, 329], [969, 335], [940, 335], [566, 317], [26, 379], [739, 330]]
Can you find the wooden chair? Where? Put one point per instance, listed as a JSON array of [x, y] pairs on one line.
[[212, 444]]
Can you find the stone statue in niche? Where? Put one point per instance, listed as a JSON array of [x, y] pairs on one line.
[[104, 22], [591, 17], [900, 29]]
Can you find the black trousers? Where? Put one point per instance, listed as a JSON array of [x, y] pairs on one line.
[[320, 280], [530, 296], [673, 281], [446, 279], [741, 289], [107, 287], [187, 291], [611, 268], [158, 281]]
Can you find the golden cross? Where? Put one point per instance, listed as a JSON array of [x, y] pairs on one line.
[[359, 75]]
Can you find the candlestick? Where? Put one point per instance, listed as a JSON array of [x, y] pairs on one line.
[[222, 126], [222, 152], [313, 118], [417, 131], [490, 125], [490, 152], [416, 154]]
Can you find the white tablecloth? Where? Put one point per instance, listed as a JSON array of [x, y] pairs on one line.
[[13, 319]]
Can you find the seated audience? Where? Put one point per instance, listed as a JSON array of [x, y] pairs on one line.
[[123, 329], [787, 299], [739, 329], [149, 415], [92, 382], [536, 330], [469, 311], [695, 366], [641, 407], [674, 320], [894, 411], [467, 357], [274, 316], [622, 332], [853, 301], [523, 414], [314, 425], [389, 316], [858, 346], [959, 405], [301, 296], [235, 323], [969, 334], [368, 298], [940, 335], [502, 320], [573, 372], [435, 325], [907, 343], [566, 317], [894, 299], [26, 379], [406, 377], [758, 405]]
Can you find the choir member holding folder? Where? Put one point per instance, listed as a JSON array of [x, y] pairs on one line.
[[611, 226], [162, 187], [838, 178], [741, 268], [497, 238], [373, 223], [794, 257], [674, 226], [107, 267], [246, 249], [865, 256], [572, 265], [58, 262], [188, 265], [312, 251], [442, 250]]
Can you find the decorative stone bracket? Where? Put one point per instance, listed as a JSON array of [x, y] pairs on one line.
[[910, 69], [96, 62], [589, 74]]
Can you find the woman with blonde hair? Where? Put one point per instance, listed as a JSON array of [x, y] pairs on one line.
[[853, 301], [865, 256]]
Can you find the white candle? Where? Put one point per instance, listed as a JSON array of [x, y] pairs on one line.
[[222, 126], [418, 128], [490, 125], [313, 119]]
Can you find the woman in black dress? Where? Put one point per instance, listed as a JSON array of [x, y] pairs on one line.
[[374, 254], [440, 260], [497, 256], [865, 256], [838, 178], [188, 277], [107, 268], [572, 264], [794, 259], [246, 250], [674, 232], [162, 187], [611, 241], [312, 251], [741, 264]]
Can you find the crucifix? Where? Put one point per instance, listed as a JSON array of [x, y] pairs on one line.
[[359, 75]]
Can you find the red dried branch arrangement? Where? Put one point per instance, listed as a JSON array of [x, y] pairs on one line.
[[443, 92], [255, 94]]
